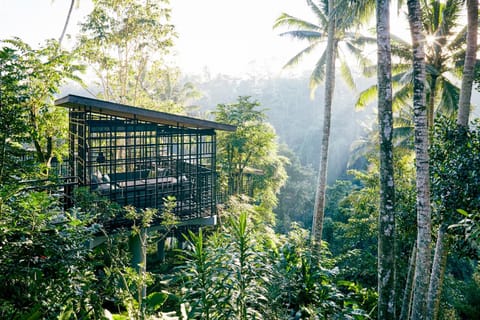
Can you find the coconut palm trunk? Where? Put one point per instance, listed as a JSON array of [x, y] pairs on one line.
[[469, 66], [408, 291], [438, 272], [319, 208], [324, 71], [386, 221], [424, 233], [67, 21]]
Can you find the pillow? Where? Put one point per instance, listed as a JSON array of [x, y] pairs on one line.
[[106, 178], [105, 187], [99, 175]]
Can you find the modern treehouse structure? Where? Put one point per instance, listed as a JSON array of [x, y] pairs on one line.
[[140, 157]]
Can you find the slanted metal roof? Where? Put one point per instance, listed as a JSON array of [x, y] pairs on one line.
[[130, 112]]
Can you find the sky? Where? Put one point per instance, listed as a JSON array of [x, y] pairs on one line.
[[224, 36], [233, 37]]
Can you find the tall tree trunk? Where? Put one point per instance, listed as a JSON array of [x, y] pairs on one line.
[[441, 248], [72, 2], [438, 273], [437, 62], [408, 291], [431, 101], [386, 218], [469, 65], [318, 213], [424, 233]]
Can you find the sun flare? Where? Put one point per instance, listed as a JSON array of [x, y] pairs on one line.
[[430, 40]]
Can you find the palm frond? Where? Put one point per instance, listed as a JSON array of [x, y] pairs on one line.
[[303, 35], [400, 42], [452, 13], [457, 70], [449, 97], [457, 60], [431, 16], [406, 77], [431, 70], [358, 53], [322, 16], [459, 40], [369, 70], [359, 40], [362, 147], [318, 74], [403, 137], [404, 118], [286, 20], [400, 68], [299, 56], [366, 97], [402, 97], [346, 73], [400, 50], [351, 13]]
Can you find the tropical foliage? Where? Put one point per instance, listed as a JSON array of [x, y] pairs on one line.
[[248, 157], [35, 76], [258, 261], [125, 44], [237, 272]]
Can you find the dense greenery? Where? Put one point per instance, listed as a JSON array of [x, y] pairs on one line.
[[257, 262], [248, 158], [125, 43], [30, 78], [240, 270]]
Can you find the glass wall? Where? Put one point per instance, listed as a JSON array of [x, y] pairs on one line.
[[140, 163]]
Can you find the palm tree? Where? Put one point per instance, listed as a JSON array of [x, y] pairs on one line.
[[443, 52], [424, 233], [443, 55], [469, 65], [386, 219], [442, 243], [67, 21], [337, 33]]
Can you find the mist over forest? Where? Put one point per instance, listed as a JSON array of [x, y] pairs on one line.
[[296, 117]]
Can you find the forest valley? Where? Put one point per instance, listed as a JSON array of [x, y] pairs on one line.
[[356, 203]]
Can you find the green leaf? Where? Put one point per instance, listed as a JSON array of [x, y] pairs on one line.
[[366, 96], [155, 300], [347, 74], [34, 315], [463, 212], [66, 313]]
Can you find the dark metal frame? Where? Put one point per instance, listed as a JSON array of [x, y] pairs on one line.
[[142, 162]]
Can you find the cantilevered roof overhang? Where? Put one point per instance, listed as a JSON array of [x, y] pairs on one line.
[[129, 112]]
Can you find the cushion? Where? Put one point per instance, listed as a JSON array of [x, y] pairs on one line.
[[106, 178], [99, 175], [106, 187]]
